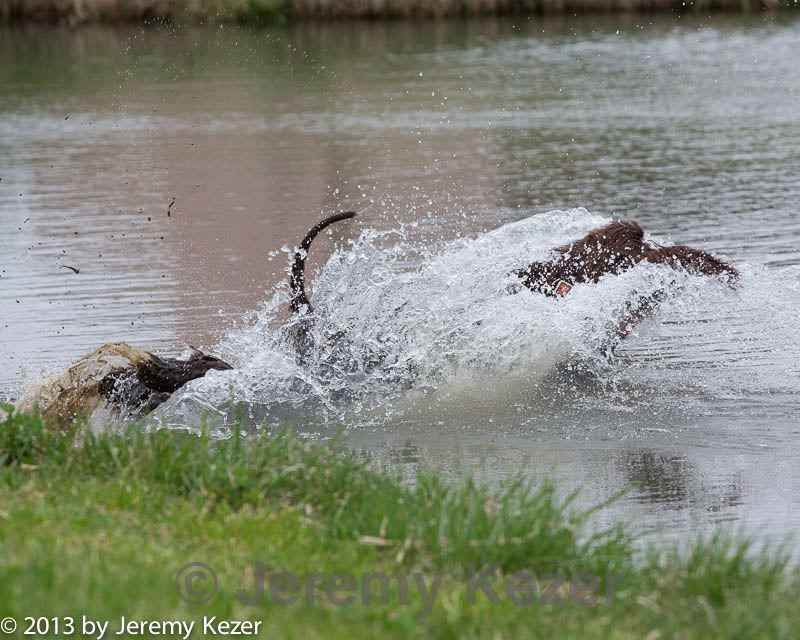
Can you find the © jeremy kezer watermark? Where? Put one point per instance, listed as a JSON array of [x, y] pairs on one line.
[[197, 584]]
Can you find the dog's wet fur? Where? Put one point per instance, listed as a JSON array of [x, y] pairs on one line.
[[611, 250]]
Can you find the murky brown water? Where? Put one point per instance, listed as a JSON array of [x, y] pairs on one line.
[[446, 130]]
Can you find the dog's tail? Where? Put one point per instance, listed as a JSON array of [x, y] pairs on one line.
[[300, 300]]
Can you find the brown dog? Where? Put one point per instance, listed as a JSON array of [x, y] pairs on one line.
[[610, 250]]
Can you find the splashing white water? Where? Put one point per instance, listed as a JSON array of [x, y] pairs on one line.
[[396, 324]]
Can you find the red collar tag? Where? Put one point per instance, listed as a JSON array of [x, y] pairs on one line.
[[563, 288]]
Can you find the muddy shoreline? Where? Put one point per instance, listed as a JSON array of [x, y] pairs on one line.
[[73, 12]]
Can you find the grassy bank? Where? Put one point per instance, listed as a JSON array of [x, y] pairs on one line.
[[102, 528], [116, 11]]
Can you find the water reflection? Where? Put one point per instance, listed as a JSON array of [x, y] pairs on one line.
[[675, 483], [661, 492], [658, 478]]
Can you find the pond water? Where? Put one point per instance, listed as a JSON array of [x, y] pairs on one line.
[[173, 169]]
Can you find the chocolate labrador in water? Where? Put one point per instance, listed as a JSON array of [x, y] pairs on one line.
[[609, 251]]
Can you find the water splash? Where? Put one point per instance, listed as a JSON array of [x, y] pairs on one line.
[[398, 326]]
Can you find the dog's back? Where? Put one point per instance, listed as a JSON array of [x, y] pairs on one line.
[[611, 250]]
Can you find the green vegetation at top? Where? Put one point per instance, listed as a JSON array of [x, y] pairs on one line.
[[99, 526]]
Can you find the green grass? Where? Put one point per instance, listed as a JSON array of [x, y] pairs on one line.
[[99, 526]]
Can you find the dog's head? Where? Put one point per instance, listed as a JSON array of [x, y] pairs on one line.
[[611, 249]]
